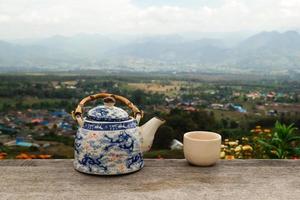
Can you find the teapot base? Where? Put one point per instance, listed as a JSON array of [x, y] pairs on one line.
[[110, 169], [109, 174]]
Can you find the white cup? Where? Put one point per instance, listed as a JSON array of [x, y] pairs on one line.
[[202, 148]]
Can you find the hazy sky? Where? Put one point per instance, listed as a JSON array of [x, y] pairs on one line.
[[40, 18]]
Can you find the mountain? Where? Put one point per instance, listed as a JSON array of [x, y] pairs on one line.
[[177, 50], [270, 50], [88, 46], [265, 51], [54, 52], [274, 39]]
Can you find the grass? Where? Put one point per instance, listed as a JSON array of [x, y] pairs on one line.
[[13, 151], [170, 154], [56, 138], [171, 88], [59, 150], [56, 149], [219, 114]]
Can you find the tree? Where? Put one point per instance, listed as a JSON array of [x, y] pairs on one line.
[[163, 138], [138, 97]]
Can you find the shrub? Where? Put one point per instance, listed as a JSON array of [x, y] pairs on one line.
[[283, 143]]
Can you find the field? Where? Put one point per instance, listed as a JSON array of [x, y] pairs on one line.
[[169, 88], [36, 108]]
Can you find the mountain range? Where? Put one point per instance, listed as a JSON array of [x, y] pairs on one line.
[[263, 52]]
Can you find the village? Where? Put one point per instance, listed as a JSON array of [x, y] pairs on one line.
[[36, 130], [40, 125], [256, 103]]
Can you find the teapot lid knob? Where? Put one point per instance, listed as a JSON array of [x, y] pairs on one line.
[[109, 101]]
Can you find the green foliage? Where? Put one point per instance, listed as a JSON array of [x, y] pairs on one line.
[[57, 138], [284, 142], [50, 92], [163, 138], [16, 150], [178, 122], [182, 121], [233, 134], [171, 154]]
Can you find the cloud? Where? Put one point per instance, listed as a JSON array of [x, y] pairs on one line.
[[39, 18]]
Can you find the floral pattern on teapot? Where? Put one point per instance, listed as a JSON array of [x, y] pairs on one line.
[[109, 126], [108, 152], [109, 114]]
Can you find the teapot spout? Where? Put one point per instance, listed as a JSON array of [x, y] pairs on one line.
[[148, 131]]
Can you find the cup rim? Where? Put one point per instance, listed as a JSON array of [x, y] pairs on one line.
[[187, 135]]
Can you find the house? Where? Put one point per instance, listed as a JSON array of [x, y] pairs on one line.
[[236, 94], [217, 106], [253, 95], [61, 113], [6, 129], [190, 109], [271, 96], [272, 113], [23, 143], [36, 121], [70, 84], [237, 108], [65, 126]]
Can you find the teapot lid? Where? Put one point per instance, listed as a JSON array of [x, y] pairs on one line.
[[107, 112]]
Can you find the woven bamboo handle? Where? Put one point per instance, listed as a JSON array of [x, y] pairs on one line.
[[77, 114]]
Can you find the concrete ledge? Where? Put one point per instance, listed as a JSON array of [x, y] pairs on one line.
[[160, 179]]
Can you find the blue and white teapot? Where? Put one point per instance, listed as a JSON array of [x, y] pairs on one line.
[[109, 141]]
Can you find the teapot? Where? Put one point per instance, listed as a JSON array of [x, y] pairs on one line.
[[108, 140]]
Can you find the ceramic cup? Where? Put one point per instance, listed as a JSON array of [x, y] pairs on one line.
[[202, 148]]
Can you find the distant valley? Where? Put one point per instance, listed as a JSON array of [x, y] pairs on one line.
[[265, 52]]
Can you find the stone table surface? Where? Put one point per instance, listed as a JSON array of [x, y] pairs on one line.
[[160, 179]]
